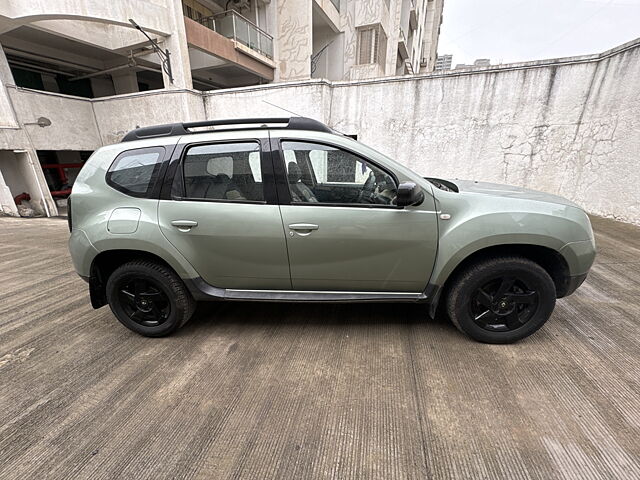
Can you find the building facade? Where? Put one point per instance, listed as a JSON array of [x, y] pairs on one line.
[[478, 63], [443, 62], [92, 49], [89, 48]]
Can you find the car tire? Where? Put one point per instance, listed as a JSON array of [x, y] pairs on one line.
[[149, 298], [501, 300]]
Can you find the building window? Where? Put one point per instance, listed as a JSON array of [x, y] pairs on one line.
[[372, 45]]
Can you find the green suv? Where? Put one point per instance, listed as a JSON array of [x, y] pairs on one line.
[[288, 210]]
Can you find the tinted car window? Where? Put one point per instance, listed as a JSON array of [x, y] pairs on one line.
[[223, 171], [134, 172], [319, 173]]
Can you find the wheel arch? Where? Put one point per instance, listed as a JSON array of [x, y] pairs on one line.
[[105, 263], [548, 258]]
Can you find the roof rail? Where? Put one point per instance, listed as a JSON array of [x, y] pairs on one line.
[[171, 129]]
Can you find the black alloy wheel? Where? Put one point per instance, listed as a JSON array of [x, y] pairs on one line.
[[149, 298], [503, 304], [501, 300], [144, 302]]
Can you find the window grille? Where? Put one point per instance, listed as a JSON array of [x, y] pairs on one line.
[[372, 45]]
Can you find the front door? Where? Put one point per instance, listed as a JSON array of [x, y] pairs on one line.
[[223, 216], [344, 232]]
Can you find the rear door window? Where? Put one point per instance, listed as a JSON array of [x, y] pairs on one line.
[[135, 172], [224, 171]]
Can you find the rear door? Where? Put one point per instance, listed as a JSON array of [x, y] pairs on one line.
[[222, 213]]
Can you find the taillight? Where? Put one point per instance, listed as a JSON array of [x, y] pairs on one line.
[[69, 213]]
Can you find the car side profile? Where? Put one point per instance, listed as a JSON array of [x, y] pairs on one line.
[[286, 209]]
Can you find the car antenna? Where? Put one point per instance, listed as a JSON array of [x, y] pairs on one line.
[[282, 108], [298, 115]]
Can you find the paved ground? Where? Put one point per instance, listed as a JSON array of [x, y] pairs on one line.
[[305, 391]]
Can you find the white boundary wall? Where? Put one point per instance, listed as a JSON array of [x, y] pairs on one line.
[[568, 126]]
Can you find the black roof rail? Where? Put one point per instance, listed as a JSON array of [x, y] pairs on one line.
[[171, 129]]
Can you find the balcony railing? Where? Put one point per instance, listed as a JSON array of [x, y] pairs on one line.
[[232, 25]]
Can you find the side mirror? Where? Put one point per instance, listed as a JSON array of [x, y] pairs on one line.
[[409, 194]]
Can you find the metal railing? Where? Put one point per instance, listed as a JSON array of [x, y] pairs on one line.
[[232, 25]]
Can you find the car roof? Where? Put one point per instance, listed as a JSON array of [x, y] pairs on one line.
[[186, 128]]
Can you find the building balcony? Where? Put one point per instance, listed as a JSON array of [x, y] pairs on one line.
[[228, 50], [403, 46], [413, 14], [327, 12], [231, 24]]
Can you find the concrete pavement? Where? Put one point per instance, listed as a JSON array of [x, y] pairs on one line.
[[312, 391]]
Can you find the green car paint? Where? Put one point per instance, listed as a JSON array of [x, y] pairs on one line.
[[486, 215], [355, 252]]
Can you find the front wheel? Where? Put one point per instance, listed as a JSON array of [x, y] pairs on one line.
[[149, 298], [501, 300]]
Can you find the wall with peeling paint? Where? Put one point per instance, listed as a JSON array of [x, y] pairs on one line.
[[568, 126]]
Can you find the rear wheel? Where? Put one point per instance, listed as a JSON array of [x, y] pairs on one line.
[[149, 298], [501, 300]]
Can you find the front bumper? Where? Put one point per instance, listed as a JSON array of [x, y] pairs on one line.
[[574, 282], [579, 256]]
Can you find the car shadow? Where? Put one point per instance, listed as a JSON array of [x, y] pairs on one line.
[[212, 315]]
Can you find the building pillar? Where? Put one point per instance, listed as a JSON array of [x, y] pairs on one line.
[[31, 171], [7, 205], [20, 172], [294, 40], [179, 50], [102, 87], [7, 114], [6, 77], [125, 82], [49, 82]]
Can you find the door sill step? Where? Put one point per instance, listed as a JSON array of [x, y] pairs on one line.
[[203, 291]]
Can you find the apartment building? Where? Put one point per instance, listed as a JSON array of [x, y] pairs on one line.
[[443, 62], [96, 49], [89, 48], [478, 63]]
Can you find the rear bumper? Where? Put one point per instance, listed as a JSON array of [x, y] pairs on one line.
[[82, 252]]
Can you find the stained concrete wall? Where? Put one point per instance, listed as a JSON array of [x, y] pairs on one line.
[[72, 118], [567, 126], [119, 114]]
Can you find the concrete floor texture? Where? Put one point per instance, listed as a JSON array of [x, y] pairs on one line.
[[290, 391]]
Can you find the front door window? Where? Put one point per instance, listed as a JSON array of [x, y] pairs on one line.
[[324, 174]]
